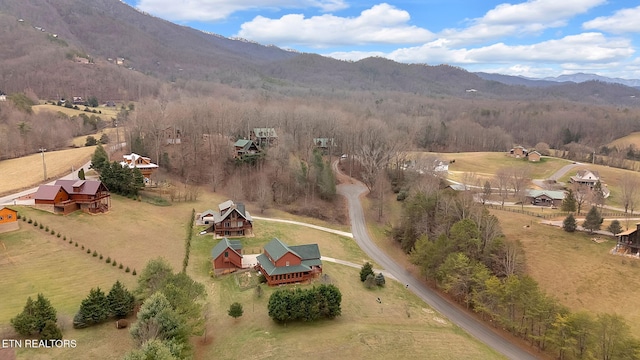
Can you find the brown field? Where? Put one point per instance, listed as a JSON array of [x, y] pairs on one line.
[[632, 139], [576, 270], [609, 176], [484, 165], [26, 172], [107, 113]]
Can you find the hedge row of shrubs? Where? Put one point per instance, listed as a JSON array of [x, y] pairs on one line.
[[75, 243]]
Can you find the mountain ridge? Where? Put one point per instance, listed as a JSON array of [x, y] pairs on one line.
[[156, 51]]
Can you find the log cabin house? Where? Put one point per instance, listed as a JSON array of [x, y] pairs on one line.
[[67, 196], [231, 220], [142, 163], [283, 264], [628, 241]]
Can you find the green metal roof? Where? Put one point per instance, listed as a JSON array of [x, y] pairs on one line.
[[553, 194], [271, 269], [277, 249], [224, 244], [306, 252]]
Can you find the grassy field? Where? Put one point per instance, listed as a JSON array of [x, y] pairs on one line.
[[26, 172], [576, 270], [134, 232], [401, 324], [33, 261], [609, 176], [485, 164], [624, 142], [107, 113]]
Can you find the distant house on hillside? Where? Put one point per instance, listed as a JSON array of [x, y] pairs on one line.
[[629, 241], [67, 196], [264, 136], [77, 100], [172, 135], [283, 264], [3, 96], [231, 220], [518, 151], [142, 163], [325, 145], [226, 256], [545, 197], [586, 177], [534, 156], [8, 220], [244, 147]]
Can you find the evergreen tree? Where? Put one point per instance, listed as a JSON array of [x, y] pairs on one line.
[[120, 300], [569, 224], [34, 316], [51, 331], [151, 350], [100, 159], [157, 320], [24, 323], [235, 310], [569, 203], [153, 277], [91, 141], [93, 310], [615, 227], [367, 269], [593, 221], [380, 280]]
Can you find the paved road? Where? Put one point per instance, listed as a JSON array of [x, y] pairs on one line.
[[14, 199], [474, 327], [321, 228]]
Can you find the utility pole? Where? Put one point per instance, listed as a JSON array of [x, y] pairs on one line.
[[44, 165], [118, 136]]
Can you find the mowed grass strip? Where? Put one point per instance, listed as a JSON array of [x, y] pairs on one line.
[[576, 270], [400, 324], [28, 171], [34, 261]]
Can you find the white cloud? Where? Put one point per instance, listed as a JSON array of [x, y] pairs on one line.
[[586, 47], [217, 10], [522, 19], [381, 24], [622, 21], [588, 52]]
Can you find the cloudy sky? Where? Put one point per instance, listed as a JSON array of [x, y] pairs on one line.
[[534, 38]]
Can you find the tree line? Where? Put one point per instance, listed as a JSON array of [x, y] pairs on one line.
[[460, 247]]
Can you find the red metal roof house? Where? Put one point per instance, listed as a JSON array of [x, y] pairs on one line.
[[67, 196]]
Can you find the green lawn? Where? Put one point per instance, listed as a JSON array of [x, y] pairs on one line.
[[134, 232], [401, 324]]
